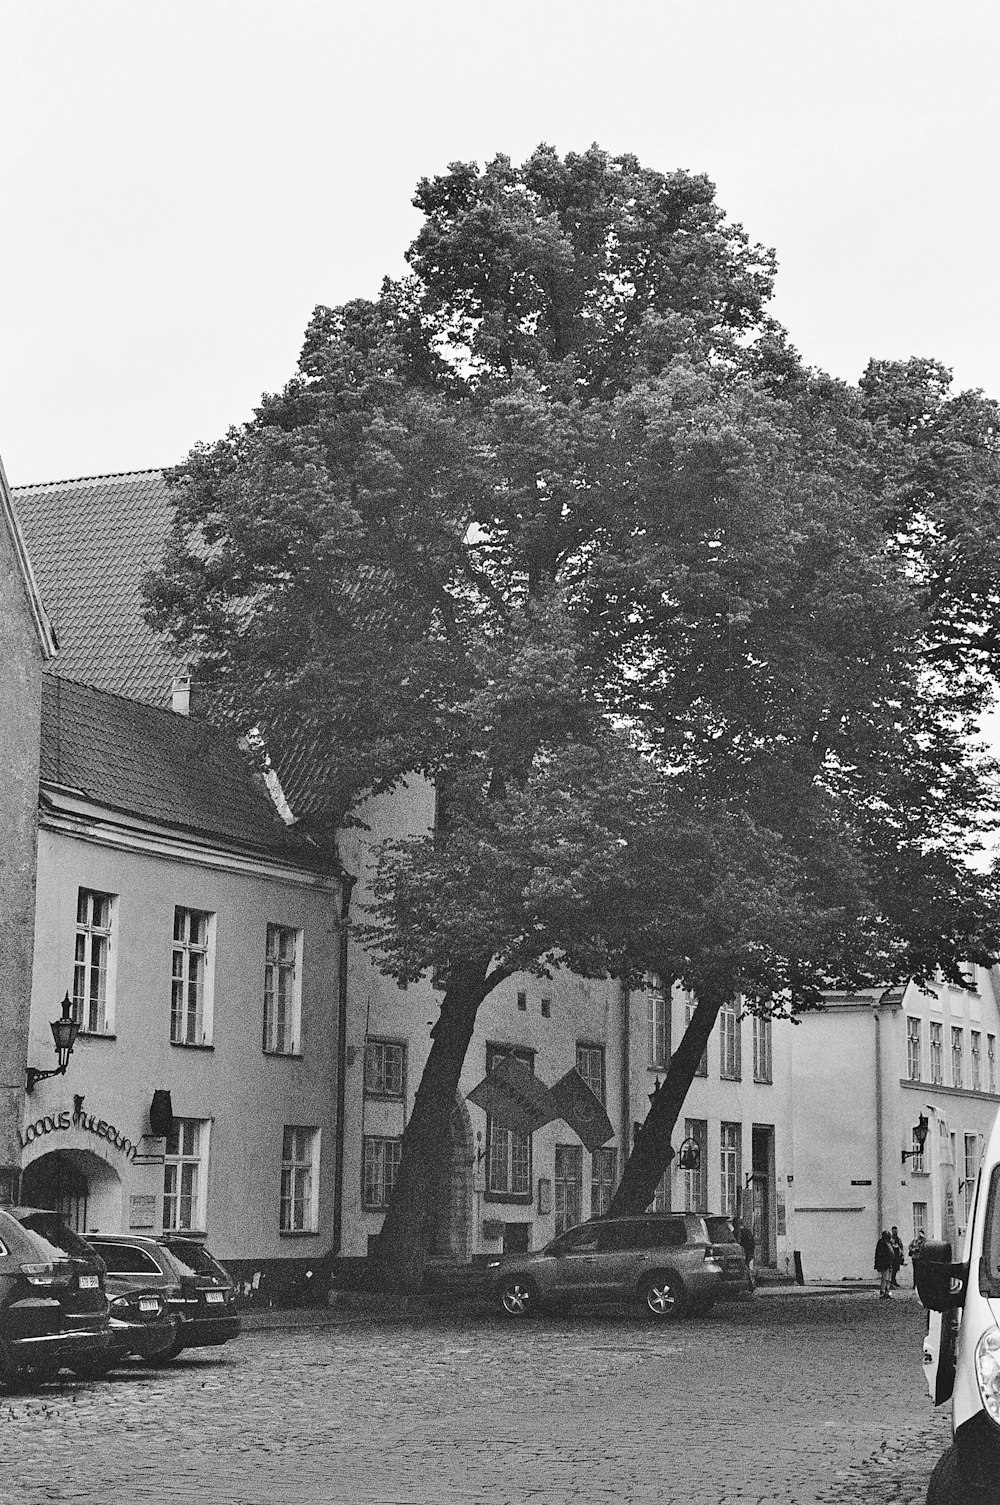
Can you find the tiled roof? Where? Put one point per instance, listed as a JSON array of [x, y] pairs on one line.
[[90, 542], [179, 772]]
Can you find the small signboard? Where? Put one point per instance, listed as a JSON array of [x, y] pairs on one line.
[[582, 1110], [514, 1097]]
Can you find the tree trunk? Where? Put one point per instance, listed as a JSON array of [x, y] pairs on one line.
[[652, 1151], [397, 1261]]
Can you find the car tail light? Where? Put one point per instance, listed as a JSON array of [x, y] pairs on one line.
[[48, 1274]]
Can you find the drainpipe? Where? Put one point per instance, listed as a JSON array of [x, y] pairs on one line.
[[879, 1195], [347, 881], [626, 1076]]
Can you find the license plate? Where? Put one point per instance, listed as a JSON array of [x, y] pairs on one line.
[[215, 1295], [148, 1304], [89, 1282]]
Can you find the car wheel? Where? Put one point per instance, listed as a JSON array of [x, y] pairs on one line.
[[664, 1297], [948, 1486], [518, 1297], [164, 1355]]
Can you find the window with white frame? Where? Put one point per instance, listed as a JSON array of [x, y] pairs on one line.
[[603, 1166], [281, 990], [976, 1059], [696, 1181], [93, 980], [957, 1056], [913, 1064], [508, 1153], [191, 978], [661, 1196], [919, 1219], [763, 1067], [970, 1170], [937, 1065], [299, 1179], [385, 1067], [690, 1004], [381, 1156], [729, 1168], [590, 1065], [729, 1042], [185, 1175], [658, 1032], [916, 1154], [568, 1186], [991, 1063]]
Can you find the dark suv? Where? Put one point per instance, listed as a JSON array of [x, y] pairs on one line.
[[666, 1261], [53, 1310], [193, 1285]]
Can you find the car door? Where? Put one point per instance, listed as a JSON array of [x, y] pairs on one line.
[[575, 1274]]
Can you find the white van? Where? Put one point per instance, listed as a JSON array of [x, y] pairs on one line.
[[962, 1349]]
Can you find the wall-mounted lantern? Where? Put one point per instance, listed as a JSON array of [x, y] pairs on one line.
[[689, 1155], [919, 1139], [64, 1032]]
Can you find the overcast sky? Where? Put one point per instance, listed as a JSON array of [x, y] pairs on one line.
[[182, 182]]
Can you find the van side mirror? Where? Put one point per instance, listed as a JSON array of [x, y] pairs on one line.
[[940, 1283]]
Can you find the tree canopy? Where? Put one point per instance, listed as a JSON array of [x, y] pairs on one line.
[[691, 639]]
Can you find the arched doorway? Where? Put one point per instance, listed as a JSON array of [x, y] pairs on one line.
[[453, 1222], [85, 1189]]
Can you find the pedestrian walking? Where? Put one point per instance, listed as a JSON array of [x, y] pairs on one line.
[[883, 1264], [898, 1255], [749, 1246]]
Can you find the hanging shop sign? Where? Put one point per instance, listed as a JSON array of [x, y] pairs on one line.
[[583, 1110], [89, 1123], [514, 1097]]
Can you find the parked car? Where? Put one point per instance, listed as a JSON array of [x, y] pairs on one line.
[[665, 1261], [140, 1320], [194, 1287], [53, 1310], [736, 1278], [962, 1345]]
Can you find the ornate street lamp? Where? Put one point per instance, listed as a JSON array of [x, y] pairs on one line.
[[64, 1032], [689, 1155], [919, 1139]]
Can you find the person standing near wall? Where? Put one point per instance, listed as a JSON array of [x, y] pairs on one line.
[[884, 1255]]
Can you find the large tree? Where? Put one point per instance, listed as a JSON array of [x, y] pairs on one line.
[[690, 639]]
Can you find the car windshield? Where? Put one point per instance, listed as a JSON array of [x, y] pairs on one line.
[[197, 1261]]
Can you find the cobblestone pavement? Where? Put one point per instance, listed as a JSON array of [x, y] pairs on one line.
[[775, 1402]]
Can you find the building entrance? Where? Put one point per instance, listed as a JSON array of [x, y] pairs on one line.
[[80, 1186]]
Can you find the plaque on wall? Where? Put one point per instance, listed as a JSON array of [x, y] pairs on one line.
[[141, 1212]]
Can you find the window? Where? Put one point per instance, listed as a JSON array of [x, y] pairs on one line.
[[690, 1005], [696, 1182], [976, 1054], [913, 1048], [190, 988], [385, 1068], [957, 1053], [762, 1063], [281, 991], [522, 1001], [937, 1075], [508, 1153], [991, 1063], [970, 1170], [185, 1174], [919, 1219], [970, 974], [729, 1042], [729, 1168], [661, 1196], [568, 1186], [380, 1164], [545, 1004], [590, 1065], [658, 1030], [92, 991], [603, 1164], [917, 1162], [127, 1259], [299, 1181]]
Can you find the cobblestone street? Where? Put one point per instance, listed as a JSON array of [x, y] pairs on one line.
[[795, 1399]]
